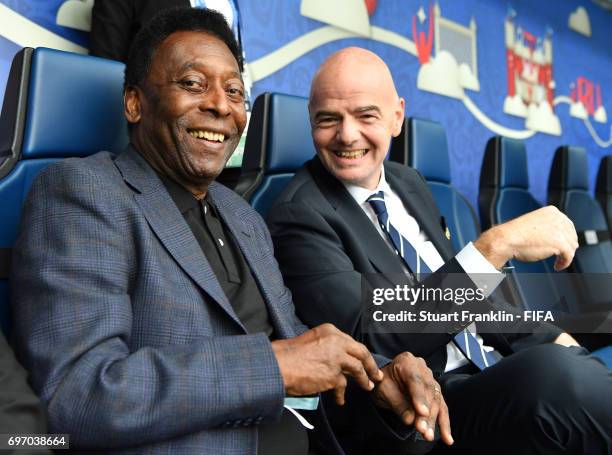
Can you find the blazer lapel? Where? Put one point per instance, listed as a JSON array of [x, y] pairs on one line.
[[245, 237], [168, 224], [377, 250], [414, 203]]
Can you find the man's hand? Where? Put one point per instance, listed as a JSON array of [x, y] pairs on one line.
[[409, 390], [319, 359], [534, 236]]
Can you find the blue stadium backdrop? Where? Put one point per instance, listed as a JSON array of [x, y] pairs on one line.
[[540, 71]]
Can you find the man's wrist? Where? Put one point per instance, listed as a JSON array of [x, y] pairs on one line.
[[493, 245], [278, 347]]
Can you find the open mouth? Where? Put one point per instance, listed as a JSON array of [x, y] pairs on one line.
[[208, 135], [351, 154]]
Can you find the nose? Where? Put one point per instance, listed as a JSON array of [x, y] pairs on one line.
[[347, 131], [215, 101]]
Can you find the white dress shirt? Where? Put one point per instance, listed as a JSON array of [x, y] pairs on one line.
[[469, 258]]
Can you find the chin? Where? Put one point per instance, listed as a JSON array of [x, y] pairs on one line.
[[208, 170], [351, 176], [208, 174]]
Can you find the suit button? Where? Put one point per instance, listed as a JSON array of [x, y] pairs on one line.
[[258, 419], [236, 423], [247, 422]]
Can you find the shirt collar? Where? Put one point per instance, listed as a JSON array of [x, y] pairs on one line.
[[361, 194], [183, 199]]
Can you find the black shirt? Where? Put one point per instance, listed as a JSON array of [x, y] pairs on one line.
[[235, 277]]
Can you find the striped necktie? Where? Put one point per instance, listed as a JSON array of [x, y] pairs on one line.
[[465, 340]]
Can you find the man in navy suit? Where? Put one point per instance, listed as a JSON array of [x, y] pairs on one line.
[[349, 218], [149, 307]]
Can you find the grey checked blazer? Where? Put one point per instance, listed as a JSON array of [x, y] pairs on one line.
[[122, 323]]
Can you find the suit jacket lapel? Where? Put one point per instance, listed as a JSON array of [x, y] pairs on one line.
[[168, 224], [245, 237], [377, 250], [414, 203]]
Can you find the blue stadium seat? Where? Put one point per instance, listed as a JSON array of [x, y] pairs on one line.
[[504, 195], [568, 189], [422, 145], [278, 143], [603, 188], [57, 105], [605, 354]]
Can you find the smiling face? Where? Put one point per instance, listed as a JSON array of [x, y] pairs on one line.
[[188, 114], [354, 112]]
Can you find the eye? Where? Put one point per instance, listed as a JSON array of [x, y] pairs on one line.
[[368, 117], [193, 84], [326, 121], [235, 92]]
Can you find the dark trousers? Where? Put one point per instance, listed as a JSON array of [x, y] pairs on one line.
[[548, 399]]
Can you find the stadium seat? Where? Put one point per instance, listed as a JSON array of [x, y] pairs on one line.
[[278, 143], [57, 105], [605, 354], [422, 145], [568, 190], [603, 188], [504, 195]]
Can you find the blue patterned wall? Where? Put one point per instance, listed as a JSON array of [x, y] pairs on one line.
[[268, 25]]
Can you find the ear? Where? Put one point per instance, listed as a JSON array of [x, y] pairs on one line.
[[132, 104], [398, 120]]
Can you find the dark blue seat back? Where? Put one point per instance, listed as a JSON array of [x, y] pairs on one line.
[[422, 145], [504, 195], [57, 105], [568, 189], [603, 188], [278, 143]]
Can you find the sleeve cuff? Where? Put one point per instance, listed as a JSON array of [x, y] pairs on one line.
[[481, 272]]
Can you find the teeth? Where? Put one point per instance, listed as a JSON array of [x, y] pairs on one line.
[[208, 135], [351, 153]]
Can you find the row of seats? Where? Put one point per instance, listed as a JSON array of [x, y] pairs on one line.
[[59, 104]]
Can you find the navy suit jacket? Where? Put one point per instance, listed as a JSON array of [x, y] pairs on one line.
[[324, 241]]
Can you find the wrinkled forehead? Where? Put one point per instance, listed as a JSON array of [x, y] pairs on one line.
[[350, 93], [344, 80], [184, 49]]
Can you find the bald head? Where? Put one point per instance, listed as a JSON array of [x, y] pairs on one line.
[[354, 111], [347, 65]]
